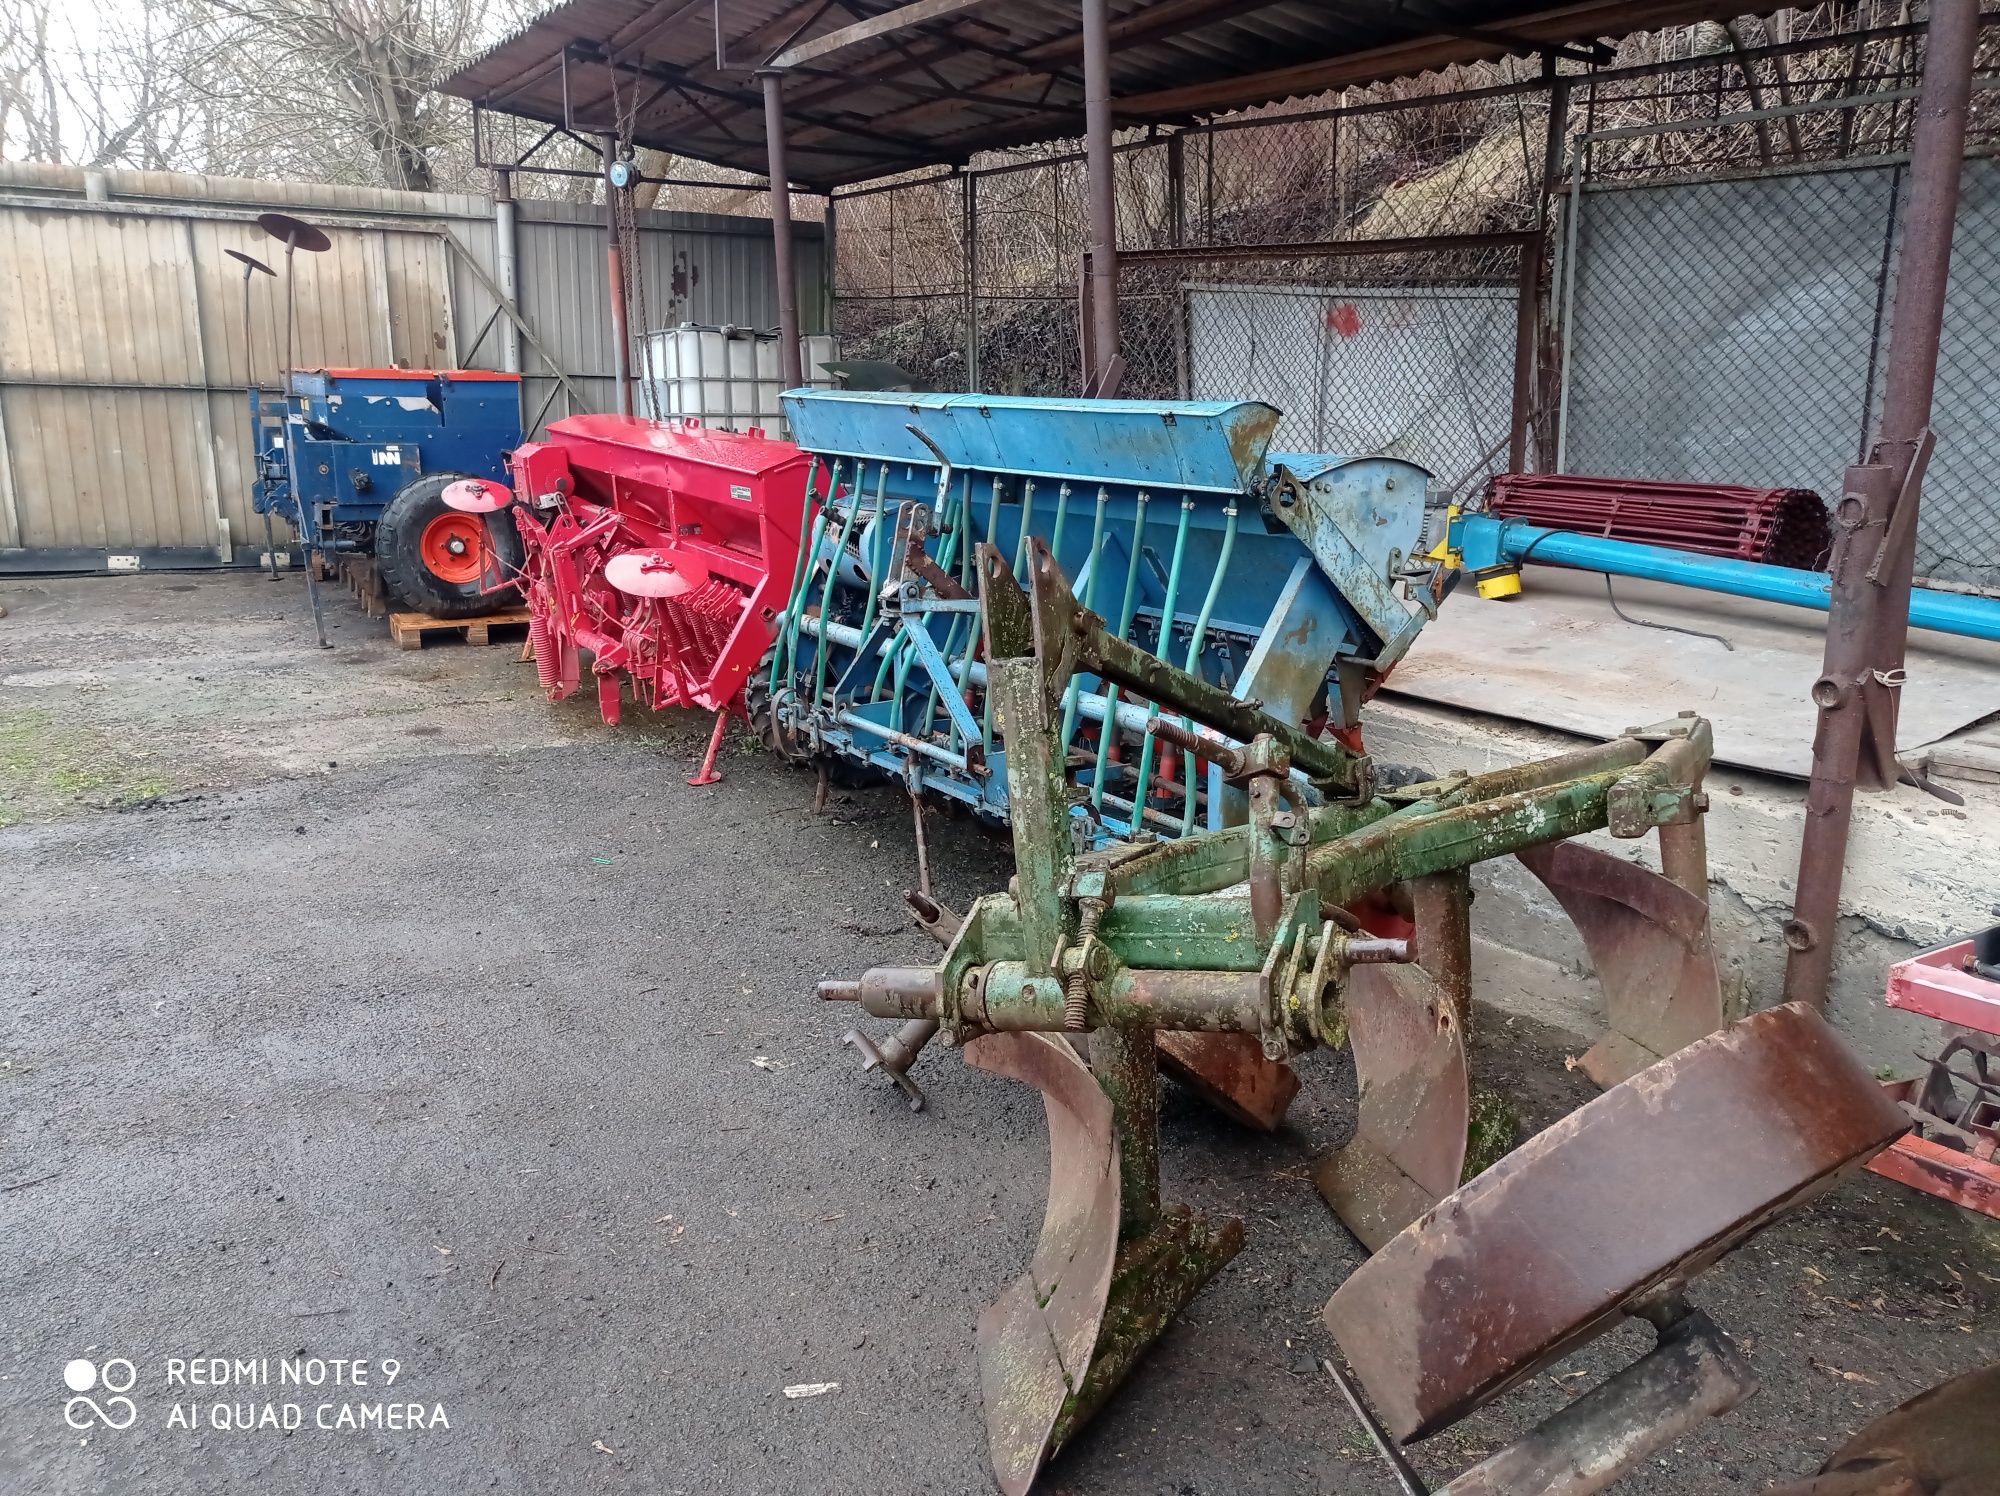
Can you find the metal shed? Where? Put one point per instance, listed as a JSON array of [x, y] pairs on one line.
[[935, 81], [847, 95]]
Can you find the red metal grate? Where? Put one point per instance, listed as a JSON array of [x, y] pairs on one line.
[[1780, 526]]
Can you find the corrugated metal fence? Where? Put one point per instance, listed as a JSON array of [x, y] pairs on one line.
[[124, 367]]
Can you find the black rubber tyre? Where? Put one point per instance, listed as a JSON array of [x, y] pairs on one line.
[[399, 552]]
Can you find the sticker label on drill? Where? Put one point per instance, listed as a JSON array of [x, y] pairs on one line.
[[739, 491], [387, 456]]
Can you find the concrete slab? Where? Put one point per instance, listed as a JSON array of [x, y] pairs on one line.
[[1558, 656], [1920, 872]]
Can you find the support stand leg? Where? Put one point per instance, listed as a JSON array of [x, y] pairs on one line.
[[708, 774]]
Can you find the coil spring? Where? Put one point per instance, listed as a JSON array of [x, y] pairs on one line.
[[541, 639], [1076, 991]]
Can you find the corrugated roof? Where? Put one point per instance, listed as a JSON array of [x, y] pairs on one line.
[[987, 76]]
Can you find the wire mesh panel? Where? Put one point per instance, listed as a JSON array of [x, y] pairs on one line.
[[1734, 331], [1421, 372], [900, 277], [1728, 305], [1723, 331], [1032, 228], [1958, 527], [1409, 354]]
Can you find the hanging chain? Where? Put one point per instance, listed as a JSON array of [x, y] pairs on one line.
[[638, 322]]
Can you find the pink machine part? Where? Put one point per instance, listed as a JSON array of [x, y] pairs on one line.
[[1955, 1104], [662, 551], [477, 496]]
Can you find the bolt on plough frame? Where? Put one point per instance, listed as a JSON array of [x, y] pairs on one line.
[[1249, 936]]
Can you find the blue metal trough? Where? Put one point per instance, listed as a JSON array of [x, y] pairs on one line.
[[1292, 579]]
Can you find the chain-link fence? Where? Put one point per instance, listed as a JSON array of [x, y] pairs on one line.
[[1005, 317], [1710, 300], [1728, 290], [1415, 352]]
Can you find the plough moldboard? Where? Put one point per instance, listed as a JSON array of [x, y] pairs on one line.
[[1245, 940], [1141, 642]]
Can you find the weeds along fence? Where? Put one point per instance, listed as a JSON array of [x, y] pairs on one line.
[[1692, 279]]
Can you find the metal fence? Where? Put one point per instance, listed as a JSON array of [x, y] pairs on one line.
[[1414, 349], [972, 279], [1719, 221], [1729, 325], [124, 366]]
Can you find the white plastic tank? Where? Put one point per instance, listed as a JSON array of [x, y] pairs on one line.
[[725, 377]]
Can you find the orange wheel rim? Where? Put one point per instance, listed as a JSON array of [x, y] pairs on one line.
[[453, 547]]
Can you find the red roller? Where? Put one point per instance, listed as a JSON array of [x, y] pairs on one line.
[[1778, 526]]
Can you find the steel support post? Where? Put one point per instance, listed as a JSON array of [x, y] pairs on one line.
[[829, 252], [1548, 365], [506, 238], [1527, 321], [781, 229], [1868, 621], [1177, 187], [614, 265], [1100, 165], [968, 206]]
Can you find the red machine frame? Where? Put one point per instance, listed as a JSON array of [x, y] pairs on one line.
[[1941, 984], [711, 522]]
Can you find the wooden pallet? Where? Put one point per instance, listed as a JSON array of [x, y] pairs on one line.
[[409, 630]]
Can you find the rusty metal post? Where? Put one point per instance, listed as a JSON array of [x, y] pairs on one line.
[[1527, 321], [968, 217], [1868, 621], [781, 229], [1937, 152], [1548, 364], [1684, 846], [614, 266], [1099, 169]]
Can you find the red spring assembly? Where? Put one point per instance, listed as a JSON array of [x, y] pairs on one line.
[[1778, 526], [542, 643]]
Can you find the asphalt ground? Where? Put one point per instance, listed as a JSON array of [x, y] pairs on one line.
[[363, 1006]]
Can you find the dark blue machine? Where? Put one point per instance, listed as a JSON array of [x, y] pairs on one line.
[[356, 460]]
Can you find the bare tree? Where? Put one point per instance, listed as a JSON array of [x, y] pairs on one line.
[[334, 89], [324, 90], [86, 88]]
